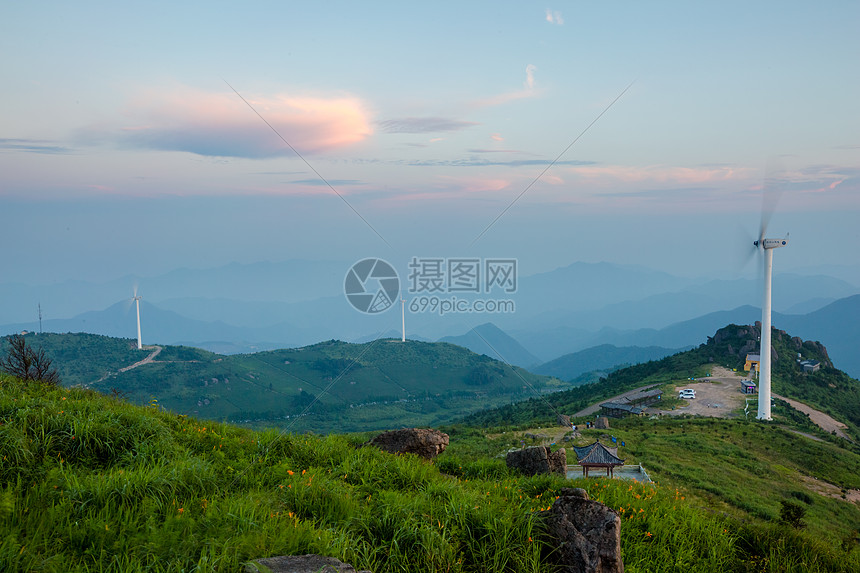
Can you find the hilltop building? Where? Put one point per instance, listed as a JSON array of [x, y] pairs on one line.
[[752, 362], [620, 410], [810, 366]]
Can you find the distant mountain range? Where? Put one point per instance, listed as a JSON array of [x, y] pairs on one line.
[[247, 308], [602, 357], [286, 281], [492, 341], [837, 325]]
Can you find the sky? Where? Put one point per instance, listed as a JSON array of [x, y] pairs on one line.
[[138, 138]]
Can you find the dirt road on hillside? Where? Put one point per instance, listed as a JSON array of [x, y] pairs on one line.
[[820, 419], [155, 351], [149, 359]]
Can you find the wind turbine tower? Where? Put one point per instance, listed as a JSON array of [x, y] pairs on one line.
[[767, 245], [136, 300], [403, 318]]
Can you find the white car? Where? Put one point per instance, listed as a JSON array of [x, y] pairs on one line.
[[687, 394]]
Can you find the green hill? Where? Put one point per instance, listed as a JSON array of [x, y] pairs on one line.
[[828, 389], [330, 386], [83, 358]]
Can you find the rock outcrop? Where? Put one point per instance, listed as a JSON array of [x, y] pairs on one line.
[[538, 460], [300, 564], [602, 423], [423, 442], [751, 335], [587, 532]]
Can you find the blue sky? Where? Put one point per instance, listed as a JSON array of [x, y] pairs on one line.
[[124, 150]]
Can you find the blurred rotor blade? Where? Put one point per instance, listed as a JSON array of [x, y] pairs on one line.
[[770, 193], [744, 250]]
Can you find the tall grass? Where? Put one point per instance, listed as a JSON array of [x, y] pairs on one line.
[[90, 483]]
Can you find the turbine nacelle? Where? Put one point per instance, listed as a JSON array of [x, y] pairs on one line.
[[771, 243]]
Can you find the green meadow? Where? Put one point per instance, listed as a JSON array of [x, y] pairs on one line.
[[93, 483]]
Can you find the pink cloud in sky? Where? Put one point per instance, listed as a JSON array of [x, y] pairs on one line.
[[552, 179], [814, 179], [661, 174], [497, 137], [824, 187], [222, 125]]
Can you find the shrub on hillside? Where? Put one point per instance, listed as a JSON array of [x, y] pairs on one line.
[[23, 362]]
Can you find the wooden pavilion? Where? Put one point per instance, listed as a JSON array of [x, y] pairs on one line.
[[597, 455]]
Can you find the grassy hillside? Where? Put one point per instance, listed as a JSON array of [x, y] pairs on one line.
[[93, 483], [330, 386]]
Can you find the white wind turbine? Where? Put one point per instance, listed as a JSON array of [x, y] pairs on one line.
[[403, 318], [766, 246], [136, 299]]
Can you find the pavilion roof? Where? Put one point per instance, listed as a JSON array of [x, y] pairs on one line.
[[597, 454]]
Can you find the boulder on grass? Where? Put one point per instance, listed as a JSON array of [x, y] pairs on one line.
[[300, 564], [602, 423], [538, 460], [423, 442], [587, 533]]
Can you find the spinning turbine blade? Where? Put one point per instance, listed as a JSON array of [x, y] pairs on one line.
[[770, 194]]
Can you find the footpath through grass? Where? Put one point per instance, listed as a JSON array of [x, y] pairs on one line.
[[90, 483]]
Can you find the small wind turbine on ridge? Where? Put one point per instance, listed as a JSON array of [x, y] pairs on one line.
[[136, 299], [403, 318]]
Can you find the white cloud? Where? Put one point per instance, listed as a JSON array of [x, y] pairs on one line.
[[554, 17], [530, 77]]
